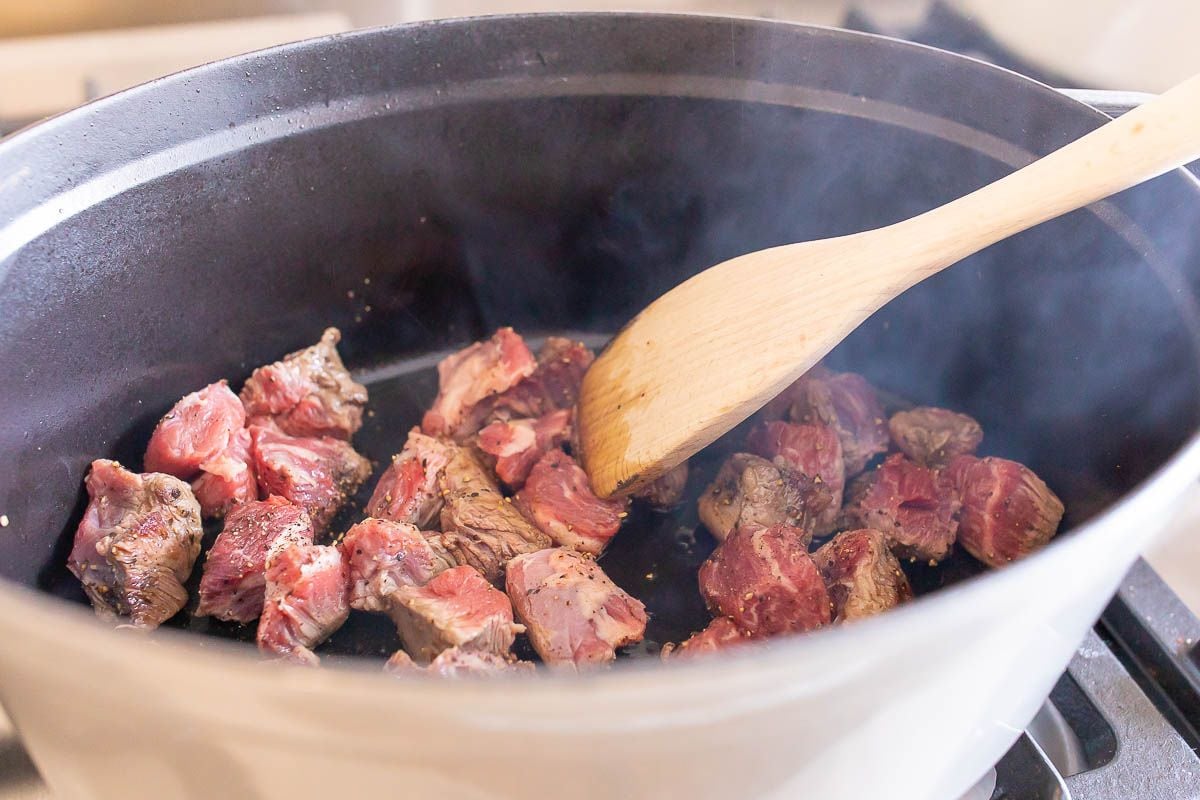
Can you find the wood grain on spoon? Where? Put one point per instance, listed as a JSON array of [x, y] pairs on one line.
[[710, 352]]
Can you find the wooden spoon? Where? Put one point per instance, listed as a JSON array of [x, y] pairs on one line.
[[710, 352]]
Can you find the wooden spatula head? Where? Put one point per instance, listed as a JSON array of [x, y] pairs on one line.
[[706, 355]]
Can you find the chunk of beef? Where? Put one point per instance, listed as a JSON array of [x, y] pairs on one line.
[[458, 663], [559, 500], [934, 436], [309, 393], [721, 634], [408, 490], [862, 575], [136, 543], [518, 444], [764, 580], [457, 608], [553, 386], [813, 450], [751, 492], [666, 491], [1007, 511], [471, 376], [574, 614], [204, 438], [480, 527], [195, 432], [306, 601], [228, 479], [385, 555], [915, 507], [234, 581], [318, 474], [845, 402]]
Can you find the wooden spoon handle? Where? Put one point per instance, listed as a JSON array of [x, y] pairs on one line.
[[705, 355], [1154, 138]]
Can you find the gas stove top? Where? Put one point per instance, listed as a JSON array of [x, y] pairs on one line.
[[1123, 722]]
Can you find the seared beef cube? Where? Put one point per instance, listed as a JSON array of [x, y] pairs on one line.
[[666, 491], [136, 543], [480, 527], [458, 663], [471, 376], [197, 430], [457, 608], [559, 500], [574, 614], [385, 555], [309, 393], [316, 474], [234, 581], [721, 634], [306, 601], [934, 436], [751, 492], [518, 444], [553, 386], [228, 479], [1007, 511], [813, 450], [861, 574], [915, 507], [764, 580], [408, 490], [204, 438], [845, 402]]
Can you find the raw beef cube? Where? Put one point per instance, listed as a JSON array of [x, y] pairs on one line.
[[316, 474], [228, 479], [764, 580], [204, 438], [845, 402], [560, 502], [308, 393], [751, 492], [385, 555], [480, 527], [721, 634], [471, 376], [1007, 511], [306, 601], [458, 663], [408, 490], [915, 507], [813, 450], [934, 436], [457, 608], [574, 614], [197, 430], [861, 574], [518, 444], [553, 386], [136, 543], [666, 491], [234, 581]]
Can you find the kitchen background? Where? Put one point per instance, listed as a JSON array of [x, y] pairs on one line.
[[62, 53]]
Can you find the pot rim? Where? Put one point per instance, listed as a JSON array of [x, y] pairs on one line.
[[72, 629]]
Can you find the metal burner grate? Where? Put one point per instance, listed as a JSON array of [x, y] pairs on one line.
[[1122, 722]]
